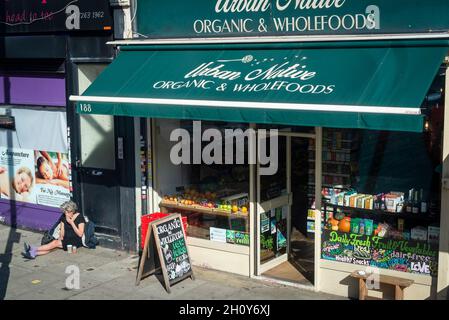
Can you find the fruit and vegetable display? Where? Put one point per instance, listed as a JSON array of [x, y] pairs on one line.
[[192, 197], [343, 223], [346, 224]]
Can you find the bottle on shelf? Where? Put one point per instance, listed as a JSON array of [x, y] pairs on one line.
[[409, 204], [423, 202], [377, 200], [416, 203], [401, 225], [383, 204]]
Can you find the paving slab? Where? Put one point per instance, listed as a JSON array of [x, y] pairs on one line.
[[47, 293], [100, 292], [210, 291], [24, 284]]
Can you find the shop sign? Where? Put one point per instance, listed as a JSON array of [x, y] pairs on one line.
[[33, 176], [229, 236], [166, 248], [217, 234], [221, 18], [279, 85], [23, 16], [252, 74], [237, 237], [372, 251], [264, 223]]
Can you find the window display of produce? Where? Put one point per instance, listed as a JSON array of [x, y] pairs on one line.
[[215, 216], [213, 198], [216, 203]]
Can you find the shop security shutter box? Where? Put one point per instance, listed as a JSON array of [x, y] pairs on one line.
[[7, 122], [119, 3]]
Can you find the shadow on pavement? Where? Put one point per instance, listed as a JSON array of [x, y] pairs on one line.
[[13, 236]]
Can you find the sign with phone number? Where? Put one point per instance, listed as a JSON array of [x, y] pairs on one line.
[[22, 16]]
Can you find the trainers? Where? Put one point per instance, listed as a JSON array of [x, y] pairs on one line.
[[27, 255], [26, 247]]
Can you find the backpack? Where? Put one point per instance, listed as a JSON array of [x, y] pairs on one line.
[[89, 239]]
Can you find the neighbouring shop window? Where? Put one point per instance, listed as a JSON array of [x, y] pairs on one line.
[[212, 197], [34, 164]]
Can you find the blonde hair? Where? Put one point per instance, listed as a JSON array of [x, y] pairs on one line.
[[26, 171]]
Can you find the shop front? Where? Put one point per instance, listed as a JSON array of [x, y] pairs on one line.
[[40, 46], [294, 161]]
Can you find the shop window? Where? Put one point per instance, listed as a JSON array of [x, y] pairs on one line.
[[34, 159], [97, 141], [382, 194], [213, 197], [98, 138], [36, 128], [286, 128]]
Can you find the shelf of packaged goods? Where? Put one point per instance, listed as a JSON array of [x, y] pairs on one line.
[[200, 209], [343, 175], [341, 140], [382, 213], [345, 163], [335, 150], [325, 185]]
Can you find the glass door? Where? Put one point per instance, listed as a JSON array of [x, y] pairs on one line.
[[273, 211]]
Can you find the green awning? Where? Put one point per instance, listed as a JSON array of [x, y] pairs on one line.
[[358, 86]]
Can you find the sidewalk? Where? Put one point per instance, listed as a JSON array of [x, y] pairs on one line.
[[109, 274]]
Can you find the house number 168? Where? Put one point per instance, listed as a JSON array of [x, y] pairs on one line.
[[86, 107]]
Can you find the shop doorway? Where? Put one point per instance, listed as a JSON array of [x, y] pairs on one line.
[[286, 247]]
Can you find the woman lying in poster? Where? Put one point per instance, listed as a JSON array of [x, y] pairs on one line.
[[17, 187], [50, 173]]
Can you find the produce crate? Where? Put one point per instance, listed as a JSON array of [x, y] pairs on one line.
[[145, 220]]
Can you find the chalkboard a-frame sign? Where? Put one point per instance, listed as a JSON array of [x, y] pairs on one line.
[[166, 248]]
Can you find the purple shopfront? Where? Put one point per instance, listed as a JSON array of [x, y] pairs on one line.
[[41, 60], [33, 106]]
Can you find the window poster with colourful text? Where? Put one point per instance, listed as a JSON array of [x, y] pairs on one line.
[[411, 256], [34, 176]]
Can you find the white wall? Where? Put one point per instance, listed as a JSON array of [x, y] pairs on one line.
[[169, 176], [98, 139]]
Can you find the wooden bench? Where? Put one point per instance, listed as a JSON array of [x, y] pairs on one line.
[[399, 283]]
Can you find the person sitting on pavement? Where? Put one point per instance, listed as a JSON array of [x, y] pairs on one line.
[[71, 233]]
